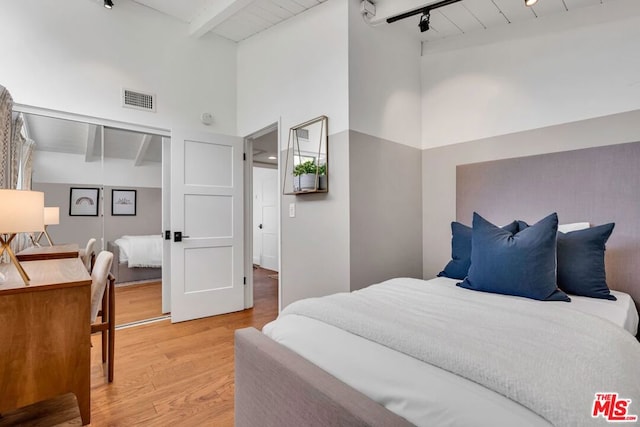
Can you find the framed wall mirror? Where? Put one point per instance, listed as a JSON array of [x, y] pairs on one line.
[[306, 164]]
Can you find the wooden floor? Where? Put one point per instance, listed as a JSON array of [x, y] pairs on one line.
[[138, 301], [165, 375]]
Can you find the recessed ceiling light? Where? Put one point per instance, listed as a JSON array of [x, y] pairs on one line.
[[108, 4], [530, 2], [273, 158]]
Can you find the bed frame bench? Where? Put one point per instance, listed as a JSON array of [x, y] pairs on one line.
[[276, 387]]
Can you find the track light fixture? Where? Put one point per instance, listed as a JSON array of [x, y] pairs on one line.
[[530, 3], [424, 21], [108, 4]]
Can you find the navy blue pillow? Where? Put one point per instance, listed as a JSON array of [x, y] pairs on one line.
[[522, 264], [458, 267], [581, 262]]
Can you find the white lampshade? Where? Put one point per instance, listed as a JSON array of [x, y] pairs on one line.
[[21, 211], [51, 215]]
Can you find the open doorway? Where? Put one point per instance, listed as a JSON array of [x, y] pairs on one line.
[[264, 219]]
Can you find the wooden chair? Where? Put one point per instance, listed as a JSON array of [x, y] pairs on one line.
[[103, 304], [87, 255]]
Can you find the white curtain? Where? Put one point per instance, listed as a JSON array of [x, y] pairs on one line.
[[16, 158], [6, 105], [21, 171]]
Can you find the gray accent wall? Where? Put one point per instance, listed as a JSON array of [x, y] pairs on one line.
[[385, 210], [439, 169], [72, 229], [366, 229], [597, 185], [315, 244], [79, 229], [148, 218]]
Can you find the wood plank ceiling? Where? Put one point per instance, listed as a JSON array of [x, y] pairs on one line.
[[239, 19]]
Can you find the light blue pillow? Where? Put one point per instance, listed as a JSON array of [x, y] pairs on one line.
[[521, 264]]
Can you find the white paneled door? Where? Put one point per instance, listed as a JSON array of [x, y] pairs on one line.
[[265, 218], [207, 276]]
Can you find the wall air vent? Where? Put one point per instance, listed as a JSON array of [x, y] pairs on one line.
[[303, 133], [138, 100]]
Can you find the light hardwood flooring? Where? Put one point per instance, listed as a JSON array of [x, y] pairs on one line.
[[138, 301], [165, 374]]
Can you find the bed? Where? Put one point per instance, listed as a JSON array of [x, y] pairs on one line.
[[314, 367], [421, 393], [136, 258]]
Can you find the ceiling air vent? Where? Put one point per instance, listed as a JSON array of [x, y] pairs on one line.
[[139, 100]]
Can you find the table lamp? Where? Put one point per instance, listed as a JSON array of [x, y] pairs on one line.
[[51, 217], [20, 211]]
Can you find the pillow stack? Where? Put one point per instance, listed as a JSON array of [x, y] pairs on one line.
[[535, 261]]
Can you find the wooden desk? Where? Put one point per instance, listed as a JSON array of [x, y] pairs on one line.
[[45, 336], [38, 253]]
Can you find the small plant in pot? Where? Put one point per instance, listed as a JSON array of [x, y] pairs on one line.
[[322, 177], [305, 175]]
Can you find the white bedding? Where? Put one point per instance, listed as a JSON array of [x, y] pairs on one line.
[[421, 393], [140, 251]]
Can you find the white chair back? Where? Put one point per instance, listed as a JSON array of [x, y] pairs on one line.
[[86, 256], [99, 277]]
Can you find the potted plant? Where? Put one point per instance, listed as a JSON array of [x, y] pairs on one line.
[[322, 177], [305, 175]]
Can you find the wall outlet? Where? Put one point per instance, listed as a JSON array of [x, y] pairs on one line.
[[292, 210]]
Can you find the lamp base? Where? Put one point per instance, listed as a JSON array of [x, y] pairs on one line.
[[6, 247], [36, 240]]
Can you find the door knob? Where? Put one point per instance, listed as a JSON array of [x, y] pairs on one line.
[[260, 226], [177, 236]]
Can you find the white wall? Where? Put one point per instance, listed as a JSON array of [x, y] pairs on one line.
[[76, 56], [296, 71], [384, 80], [64, 168], [291, 73], [576, 65]]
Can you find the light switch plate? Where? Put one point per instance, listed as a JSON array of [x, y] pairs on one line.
[[292, 210]]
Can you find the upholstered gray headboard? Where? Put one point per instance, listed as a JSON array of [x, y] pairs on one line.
[[598, 185]]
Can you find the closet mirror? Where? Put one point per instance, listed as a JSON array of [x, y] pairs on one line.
[[80, 167], [306, 167]]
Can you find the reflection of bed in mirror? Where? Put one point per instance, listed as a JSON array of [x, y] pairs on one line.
[[136, 258]]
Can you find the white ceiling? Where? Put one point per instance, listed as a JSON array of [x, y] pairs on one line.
[[468, 16], [232, 19], [239, 19]]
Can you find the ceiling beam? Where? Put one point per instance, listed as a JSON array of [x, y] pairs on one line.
[[214, 14], [142, 150], [92, 136]]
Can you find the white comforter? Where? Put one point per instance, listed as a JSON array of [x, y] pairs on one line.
[[544, 355], [140, 251]]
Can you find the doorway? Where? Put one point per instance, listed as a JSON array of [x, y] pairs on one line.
[[263, 195]]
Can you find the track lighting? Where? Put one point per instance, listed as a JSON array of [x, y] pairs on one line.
[[425, 10], [108, 4], [530, 3], [424, 21]]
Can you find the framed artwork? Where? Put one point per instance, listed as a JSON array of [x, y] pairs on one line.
[[123, 202], [84, 201]]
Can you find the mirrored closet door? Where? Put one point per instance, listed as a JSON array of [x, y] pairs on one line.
[[107, 183]]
